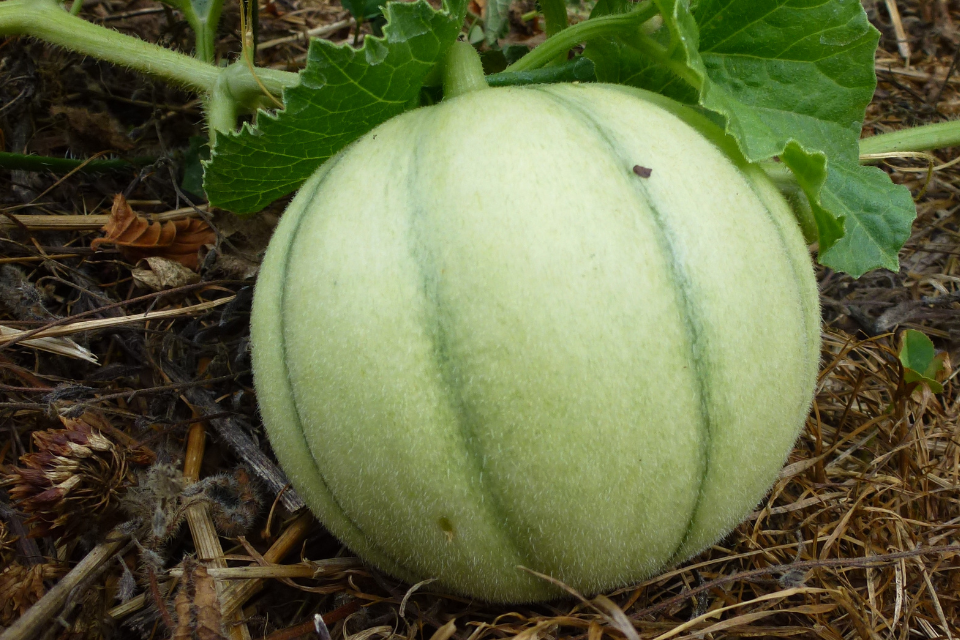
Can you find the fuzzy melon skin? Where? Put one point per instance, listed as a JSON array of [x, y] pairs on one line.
[[480, 340]]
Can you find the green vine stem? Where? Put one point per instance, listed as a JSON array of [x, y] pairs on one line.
[[47, 21], [462, 71], [563, 41], [923, 138]]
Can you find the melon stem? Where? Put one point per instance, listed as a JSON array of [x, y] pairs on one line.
[[462, 71]]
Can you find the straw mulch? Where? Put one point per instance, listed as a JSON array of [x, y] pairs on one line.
[[174, 523]]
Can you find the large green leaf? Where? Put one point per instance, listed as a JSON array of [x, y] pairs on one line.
[[343, 93], [790, 78]]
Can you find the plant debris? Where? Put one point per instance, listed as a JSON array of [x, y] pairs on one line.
[[75, 478], [137, 238]]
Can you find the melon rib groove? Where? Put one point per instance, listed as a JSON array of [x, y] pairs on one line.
[[286, 378], [699, 351], [452, 389]]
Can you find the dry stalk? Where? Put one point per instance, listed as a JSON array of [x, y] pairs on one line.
[[43, 612], [205, 538], [106, 323], [237, 594], [85, 223]]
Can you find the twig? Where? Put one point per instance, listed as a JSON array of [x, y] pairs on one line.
[[43, 612], [240, 442], [105, 323], [305, 36], [149, 297], [235, 595], [308, 627], [205, 538], [84, 223], [903, 45], [310, 570]]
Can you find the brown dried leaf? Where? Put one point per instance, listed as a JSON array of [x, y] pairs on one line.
[[21, 587], [197, 605], [163, 273], [138, 238]]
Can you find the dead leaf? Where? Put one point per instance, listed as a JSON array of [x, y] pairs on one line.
[[163, 273], [235, 267], [197, 605], [137, 238]]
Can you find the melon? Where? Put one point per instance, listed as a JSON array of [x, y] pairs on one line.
[[551, 327]]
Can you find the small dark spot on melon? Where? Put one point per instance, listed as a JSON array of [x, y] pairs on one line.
[[447, 527], [643, 172]]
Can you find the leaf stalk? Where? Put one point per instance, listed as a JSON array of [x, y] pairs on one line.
[[564, 40], [227, 89], [47, 21], [923, 138]]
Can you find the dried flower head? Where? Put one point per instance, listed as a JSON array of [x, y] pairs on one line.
[[233, 499], [74, 477], [155, 504], [21, 587]]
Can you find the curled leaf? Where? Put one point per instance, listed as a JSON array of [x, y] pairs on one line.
[[137, 238]]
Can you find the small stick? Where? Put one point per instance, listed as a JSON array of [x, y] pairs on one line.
[[314, 569], [152, 297], [70, 222], [205, 538], [237, 594], [305, 36], [240, 442], [903, 44], [104, 323], [43, 612]]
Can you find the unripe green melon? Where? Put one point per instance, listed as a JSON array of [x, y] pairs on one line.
[[481, 341]]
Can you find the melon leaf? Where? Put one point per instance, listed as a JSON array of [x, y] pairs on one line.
[[792, 80], [920, 361], [343, 93]]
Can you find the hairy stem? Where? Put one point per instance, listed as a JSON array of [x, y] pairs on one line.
[[206, 40], [650, 48], [221, 111], [924, 138], [48, 22], [568, 38], [462, 71], [228, 89]]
